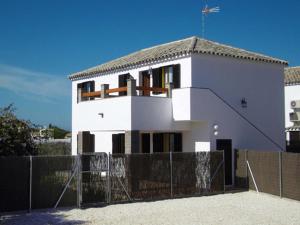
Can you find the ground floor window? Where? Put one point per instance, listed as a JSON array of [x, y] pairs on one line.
[[167, 142], [145, 138], [85, 142], [118, 143]]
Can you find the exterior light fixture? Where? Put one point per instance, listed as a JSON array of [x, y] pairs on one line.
[[244, 103], [216, 127], [101, 114]]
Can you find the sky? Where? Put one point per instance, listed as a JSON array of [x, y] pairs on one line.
[[43, 41]]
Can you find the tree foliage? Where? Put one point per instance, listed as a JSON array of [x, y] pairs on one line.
[[59, 133], [15, 134], [56, 148]]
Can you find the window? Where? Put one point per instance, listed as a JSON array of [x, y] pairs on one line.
[[158, 144], [168, 74], [123, 83], [86, 143], [176, 76], [145, 143], [118, 143], [85, 87], [165, 142]]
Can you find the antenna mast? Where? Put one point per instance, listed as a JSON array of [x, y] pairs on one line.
[[205, 11]]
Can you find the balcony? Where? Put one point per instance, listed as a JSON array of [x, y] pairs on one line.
[[130, 90], [103, 111]]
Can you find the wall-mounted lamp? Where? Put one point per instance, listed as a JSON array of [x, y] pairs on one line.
[[101, 114], [216, 127], [244, 103]]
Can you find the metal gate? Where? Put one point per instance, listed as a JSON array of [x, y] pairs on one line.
[[93, 179]]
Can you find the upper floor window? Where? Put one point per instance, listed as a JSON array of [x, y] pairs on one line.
[[85, 87], [123, 83], [167, 74]]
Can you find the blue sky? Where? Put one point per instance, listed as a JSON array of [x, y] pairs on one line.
[[43, 41]]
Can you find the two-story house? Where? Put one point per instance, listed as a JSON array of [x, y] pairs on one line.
[[183, 96], [292, 107]]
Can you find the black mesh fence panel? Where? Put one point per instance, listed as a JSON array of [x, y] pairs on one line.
[[216, 165], [14, 183], [265, 169], [240, 169], [119, 177], [149, 176], [291, 175], [190, 173], [49, 177], [140, 176], [94, 178]]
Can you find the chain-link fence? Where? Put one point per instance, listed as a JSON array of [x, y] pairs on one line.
[[58, 181]]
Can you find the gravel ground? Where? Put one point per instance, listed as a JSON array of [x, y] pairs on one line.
[[238, 208]]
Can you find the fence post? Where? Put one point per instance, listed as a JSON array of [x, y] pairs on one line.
[[79, 180], [246, 166], [280, 174], [30, 183], [171, 173], [108, 180], [224, 188]]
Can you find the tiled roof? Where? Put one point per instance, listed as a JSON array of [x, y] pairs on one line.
[[192, 45], [293, 128], [292, 75]]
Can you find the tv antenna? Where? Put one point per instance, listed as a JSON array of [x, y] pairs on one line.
[[205, 11]]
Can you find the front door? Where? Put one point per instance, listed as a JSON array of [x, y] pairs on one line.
[[226, 145]]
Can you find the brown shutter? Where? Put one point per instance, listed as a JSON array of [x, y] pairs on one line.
[[176, 76]]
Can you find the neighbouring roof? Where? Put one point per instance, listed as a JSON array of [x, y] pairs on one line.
[[292, 75], [293, 128], [192, 45]]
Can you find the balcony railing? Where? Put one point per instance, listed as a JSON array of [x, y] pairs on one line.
[[131, 90]]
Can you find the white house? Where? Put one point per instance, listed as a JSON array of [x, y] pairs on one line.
[[292, 103], [188, 95]]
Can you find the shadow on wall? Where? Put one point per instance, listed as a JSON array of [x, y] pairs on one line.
[[40, 218]]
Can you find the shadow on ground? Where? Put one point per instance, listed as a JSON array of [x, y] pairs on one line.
[[39, 218]]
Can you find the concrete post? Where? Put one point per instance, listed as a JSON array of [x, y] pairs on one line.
[[80, 143], [131, 87], [104, 87], [79, 93], [170, 87], [132, 141]]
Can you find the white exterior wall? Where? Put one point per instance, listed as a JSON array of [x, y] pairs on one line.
[[194, 108], [292, 93], [261, 84], [153, 113]]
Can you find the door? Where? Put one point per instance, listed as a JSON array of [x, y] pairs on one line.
[[146, 83], [226, 145]]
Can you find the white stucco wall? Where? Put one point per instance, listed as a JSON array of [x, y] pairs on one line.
[[193, 110], [261, 84], [292, 93], [153, 113]]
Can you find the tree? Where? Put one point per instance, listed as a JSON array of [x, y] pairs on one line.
[[15, 134]]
